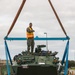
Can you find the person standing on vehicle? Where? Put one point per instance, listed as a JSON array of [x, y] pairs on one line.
[[30, 38]]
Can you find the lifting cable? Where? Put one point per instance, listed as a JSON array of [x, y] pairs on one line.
[[16, 17], [57, 18], [20, 9]]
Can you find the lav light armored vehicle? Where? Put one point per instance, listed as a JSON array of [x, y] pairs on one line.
[[41, 62]]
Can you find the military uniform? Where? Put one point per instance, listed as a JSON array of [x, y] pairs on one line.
[[30, 39]]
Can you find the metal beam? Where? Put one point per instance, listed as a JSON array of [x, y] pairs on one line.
[[37, 38]]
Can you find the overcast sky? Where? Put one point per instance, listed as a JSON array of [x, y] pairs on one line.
[[41, 15]]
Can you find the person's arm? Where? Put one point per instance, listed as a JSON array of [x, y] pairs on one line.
[[28, 30]]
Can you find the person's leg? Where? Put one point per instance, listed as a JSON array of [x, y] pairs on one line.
[[32, 45], [28, 45]]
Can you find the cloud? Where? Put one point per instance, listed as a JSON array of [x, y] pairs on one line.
[[41, 15]]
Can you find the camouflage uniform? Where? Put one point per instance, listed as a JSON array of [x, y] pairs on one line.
[[30, 40]]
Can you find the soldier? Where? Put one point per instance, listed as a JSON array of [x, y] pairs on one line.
[[30, 38]]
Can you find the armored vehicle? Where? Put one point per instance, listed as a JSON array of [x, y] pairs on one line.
[[41, 62]]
